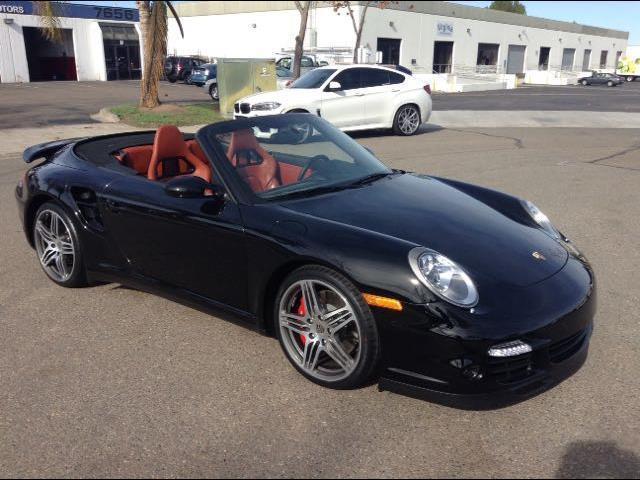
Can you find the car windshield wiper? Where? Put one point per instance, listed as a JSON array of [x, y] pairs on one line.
[[373, 177]]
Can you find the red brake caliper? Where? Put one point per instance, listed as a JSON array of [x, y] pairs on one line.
[[302, 311]]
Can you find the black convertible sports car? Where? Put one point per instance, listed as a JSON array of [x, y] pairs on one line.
[[439, 289]]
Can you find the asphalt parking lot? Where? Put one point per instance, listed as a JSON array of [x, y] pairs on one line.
[[58, 103], [593, 98], [110, 382]]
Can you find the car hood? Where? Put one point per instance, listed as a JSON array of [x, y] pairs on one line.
[[285, 96], [431, 213]]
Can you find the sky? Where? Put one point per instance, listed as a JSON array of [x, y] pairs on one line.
[[618, 15]]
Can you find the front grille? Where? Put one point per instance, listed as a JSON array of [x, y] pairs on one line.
[[236, 108], [510, 370], [245, 107], [560, 351]]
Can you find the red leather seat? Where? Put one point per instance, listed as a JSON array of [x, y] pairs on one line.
[[258, 168], [171, 156]]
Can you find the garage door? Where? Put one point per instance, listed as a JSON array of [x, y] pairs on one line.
[[515, 59], [568, 55]]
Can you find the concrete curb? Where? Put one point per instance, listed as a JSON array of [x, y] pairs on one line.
[[105, 116]]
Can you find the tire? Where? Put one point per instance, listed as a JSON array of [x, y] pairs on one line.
[[172, 78], [584, 83], [354, 341], [630, 78], [213, 92], [51, 240], [609, 83], [407, 120], [187, 79]]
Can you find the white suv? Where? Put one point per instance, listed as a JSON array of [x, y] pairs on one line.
[[353, 97]]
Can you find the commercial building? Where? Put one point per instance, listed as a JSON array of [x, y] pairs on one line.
[[98, 43], [453, 42]]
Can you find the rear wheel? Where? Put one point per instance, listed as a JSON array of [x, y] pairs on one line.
[[58, 246], [407, 120], [630, 78], [609, 83], [213, 92], [325, 328]]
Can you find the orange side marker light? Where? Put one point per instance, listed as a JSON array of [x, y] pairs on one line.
[[382, 302]]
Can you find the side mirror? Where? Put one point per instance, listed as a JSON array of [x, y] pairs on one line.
[[334, 87], [189, 186]]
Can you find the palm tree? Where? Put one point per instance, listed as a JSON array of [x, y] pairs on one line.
[[154, 28], [153, 25]]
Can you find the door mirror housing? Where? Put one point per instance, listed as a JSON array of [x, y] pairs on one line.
[[334, 87], [190, 186]]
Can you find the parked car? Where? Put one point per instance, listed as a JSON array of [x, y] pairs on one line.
[[284, 77], [180, 68], [352, 97], [436, 288], [307, 62], [201, 74], [597, 78]]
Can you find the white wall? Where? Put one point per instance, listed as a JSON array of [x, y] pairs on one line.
[[233, 35]]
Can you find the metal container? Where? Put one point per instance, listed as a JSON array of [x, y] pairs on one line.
[[239, 77]]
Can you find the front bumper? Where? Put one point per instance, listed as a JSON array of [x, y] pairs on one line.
[[437, 360]]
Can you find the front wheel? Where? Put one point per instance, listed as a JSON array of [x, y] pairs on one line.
[[609, 83], [58, 246], [325, 328], [584, 83], [407, 120], [630, 78]]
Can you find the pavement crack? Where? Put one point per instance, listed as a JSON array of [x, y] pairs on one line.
[[632, 148], [517, 142]]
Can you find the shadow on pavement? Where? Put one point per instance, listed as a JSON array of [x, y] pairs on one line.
[[426, 128], [598, 460]]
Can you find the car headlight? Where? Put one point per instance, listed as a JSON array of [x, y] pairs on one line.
[[265, 106], [443, 277], [206, 72], [541, 219]]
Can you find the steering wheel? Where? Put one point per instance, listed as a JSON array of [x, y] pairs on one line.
[[313, 161]]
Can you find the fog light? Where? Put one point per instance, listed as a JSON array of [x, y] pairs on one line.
[[473, 373], [511, 349]]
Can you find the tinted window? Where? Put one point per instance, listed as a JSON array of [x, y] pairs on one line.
[[313, 79], [349, 79], [285, 62], [373, 77], [306, 62], [396, 78]]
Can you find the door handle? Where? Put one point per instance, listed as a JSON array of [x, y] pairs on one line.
[[113, 206], [395, 90], [359, 94]]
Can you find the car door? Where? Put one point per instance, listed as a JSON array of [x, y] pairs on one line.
[[598, 79], [345, 107], [192, 243], [379, 95]]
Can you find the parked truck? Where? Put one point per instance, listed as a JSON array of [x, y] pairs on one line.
[[628, 68]]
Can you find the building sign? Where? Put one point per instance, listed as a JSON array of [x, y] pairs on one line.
[[72, 10], [4, 8], [445, 28]]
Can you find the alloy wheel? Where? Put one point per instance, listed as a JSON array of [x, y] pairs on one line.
[[320, 330], [408, 120], [54, 245]]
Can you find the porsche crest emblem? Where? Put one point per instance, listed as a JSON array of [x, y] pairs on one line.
[[538, 256]]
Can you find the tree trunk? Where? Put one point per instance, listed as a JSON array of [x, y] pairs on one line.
[[153, 26], [303, 9], [358, 29]]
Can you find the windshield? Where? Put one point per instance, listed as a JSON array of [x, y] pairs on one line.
[[282, 156], [313, 79]]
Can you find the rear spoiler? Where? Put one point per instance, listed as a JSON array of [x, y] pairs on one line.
[[45, 150]]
